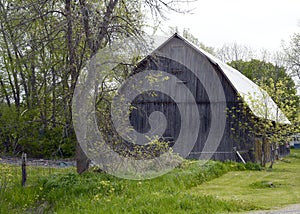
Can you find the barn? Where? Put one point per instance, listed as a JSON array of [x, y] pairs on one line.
[[214, 87]]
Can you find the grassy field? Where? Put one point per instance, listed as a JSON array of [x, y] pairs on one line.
[[192, 188], [268, 189]]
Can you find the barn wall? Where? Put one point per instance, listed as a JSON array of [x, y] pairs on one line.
[[145, 103], [240, 138]]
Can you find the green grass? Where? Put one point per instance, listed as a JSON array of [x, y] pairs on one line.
[[192, 188], [67, 192], [268, 189]]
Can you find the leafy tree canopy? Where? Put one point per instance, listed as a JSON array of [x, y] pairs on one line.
[[273, 79]]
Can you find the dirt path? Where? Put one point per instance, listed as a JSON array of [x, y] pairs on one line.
[[291, 209]]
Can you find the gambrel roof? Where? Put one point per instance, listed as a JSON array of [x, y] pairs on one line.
[[258, 100]]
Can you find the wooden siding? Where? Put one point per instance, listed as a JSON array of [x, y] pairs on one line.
[[146, 103]]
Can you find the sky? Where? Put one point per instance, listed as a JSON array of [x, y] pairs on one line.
[[259, 24]]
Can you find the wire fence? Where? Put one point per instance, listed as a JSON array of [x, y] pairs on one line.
[[26, 172]]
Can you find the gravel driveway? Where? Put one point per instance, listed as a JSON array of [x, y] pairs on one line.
[[291, 209]]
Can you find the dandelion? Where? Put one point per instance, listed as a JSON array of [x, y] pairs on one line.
[[96, 197]]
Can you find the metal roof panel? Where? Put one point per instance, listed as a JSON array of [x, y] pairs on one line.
[[258, 100]]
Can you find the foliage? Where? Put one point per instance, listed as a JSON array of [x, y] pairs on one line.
[[189, 36], [292, 51], [268, 132], [44, 47], [246, 166], [19, 133], [292, 59], [274, 81], [91, 192]]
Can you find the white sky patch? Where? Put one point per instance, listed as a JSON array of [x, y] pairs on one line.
[[260, 24]]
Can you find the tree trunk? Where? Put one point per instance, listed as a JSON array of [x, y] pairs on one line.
[[264, 152], [4, 91], [82, 162], [273, 149], [53, 117]]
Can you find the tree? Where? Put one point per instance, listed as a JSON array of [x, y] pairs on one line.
[[274, 81], [189, 36], [235, 52], [292, 51], [44, 47]]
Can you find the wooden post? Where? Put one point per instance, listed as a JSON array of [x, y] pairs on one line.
[[24, 174]]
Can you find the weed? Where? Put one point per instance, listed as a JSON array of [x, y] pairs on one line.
[[263, 184], [193, 187]]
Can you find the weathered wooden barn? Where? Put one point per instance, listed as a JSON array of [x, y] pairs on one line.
[[197, 70]]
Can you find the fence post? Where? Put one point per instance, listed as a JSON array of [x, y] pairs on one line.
[[24, 174]]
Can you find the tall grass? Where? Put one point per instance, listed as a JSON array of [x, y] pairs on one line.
[[64, 191]]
